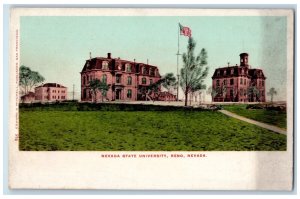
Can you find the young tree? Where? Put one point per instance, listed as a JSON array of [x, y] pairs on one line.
[[212, 92], [253, 94], [169, 81], [271, 93], [97, 85], [151, 92], [194, 71], [29, 79], [223, 91]]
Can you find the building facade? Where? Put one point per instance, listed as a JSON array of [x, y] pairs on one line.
[[50, 92], [239, 83], [126, 79], [28, 98]]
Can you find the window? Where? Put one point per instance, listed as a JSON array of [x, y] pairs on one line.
[[151, 81], [128, 67], [104, 78], [58, 91], [225, 82], [263, 93], [232, 71], [57, 97], [241, 82], [218, 82], [151, 72], [245, 93], [129, 93], [144, 81], [144, 71], [218, 73], [118, 79], [242, 71], [105, 65], [245, 83], [241, 92], [231, 81], [263, 83], [83, 80], [224, 72], [129, 80]]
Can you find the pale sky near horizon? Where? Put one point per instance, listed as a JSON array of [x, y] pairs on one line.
[[57, 47]]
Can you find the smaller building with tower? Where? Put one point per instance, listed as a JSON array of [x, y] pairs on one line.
[[239, 83]]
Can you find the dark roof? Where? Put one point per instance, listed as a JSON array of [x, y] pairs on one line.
[[51, 85], [30, 94], [238, 71], [166, 93], [113, 63], [256, 73]]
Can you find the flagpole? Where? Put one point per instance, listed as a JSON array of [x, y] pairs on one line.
[[178, 63]]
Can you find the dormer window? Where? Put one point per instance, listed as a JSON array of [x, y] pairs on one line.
[[128, 67], [105, 65], [151, 72], [144, 71], [224, 72], [232, 71], [218, 72]]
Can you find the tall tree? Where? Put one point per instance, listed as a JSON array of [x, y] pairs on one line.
[[271, 93], [194, 71], [29, 79], [97, 85]]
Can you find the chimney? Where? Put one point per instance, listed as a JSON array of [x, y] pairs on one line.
[[109, 55]]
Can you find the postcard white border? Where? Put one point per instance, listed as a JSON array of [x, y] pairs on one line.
[[87, 170]]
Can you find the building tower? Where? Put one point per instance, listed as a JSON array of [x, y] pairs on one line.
[[244, 59]]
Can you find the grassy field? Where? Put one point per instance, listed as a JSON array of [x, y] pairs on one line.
[[277, 118], [142, 131]]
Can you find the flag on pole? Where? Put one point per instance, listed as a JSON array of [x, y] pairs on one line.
[[186, 31]]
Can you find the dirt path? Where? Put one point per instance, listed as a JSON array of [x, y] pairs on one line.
[[260, 124]]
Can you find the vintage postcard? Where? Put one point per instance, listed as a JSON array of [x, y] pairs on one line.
[[151, 99]]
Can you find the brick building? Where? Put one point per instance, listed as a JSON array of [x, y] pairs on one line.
[[50, 92], [125, 78], [239, 83], [28, 98]]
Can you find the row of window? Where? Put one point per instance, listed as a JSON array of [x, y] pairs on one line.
[[57, 97], [129, 69], [54, 91], [118, 79], [225, 82], [242, 82], [231, 72]]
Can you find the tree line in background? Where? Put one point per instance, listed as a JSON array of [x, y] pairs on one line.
[[28, 79]]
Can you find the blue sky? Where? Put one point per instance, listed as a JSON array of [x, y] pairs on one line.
[[57, 47]]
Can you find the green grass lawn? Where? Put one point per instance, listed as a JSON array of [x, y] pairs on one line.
[[277, 118], [142, 131]]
